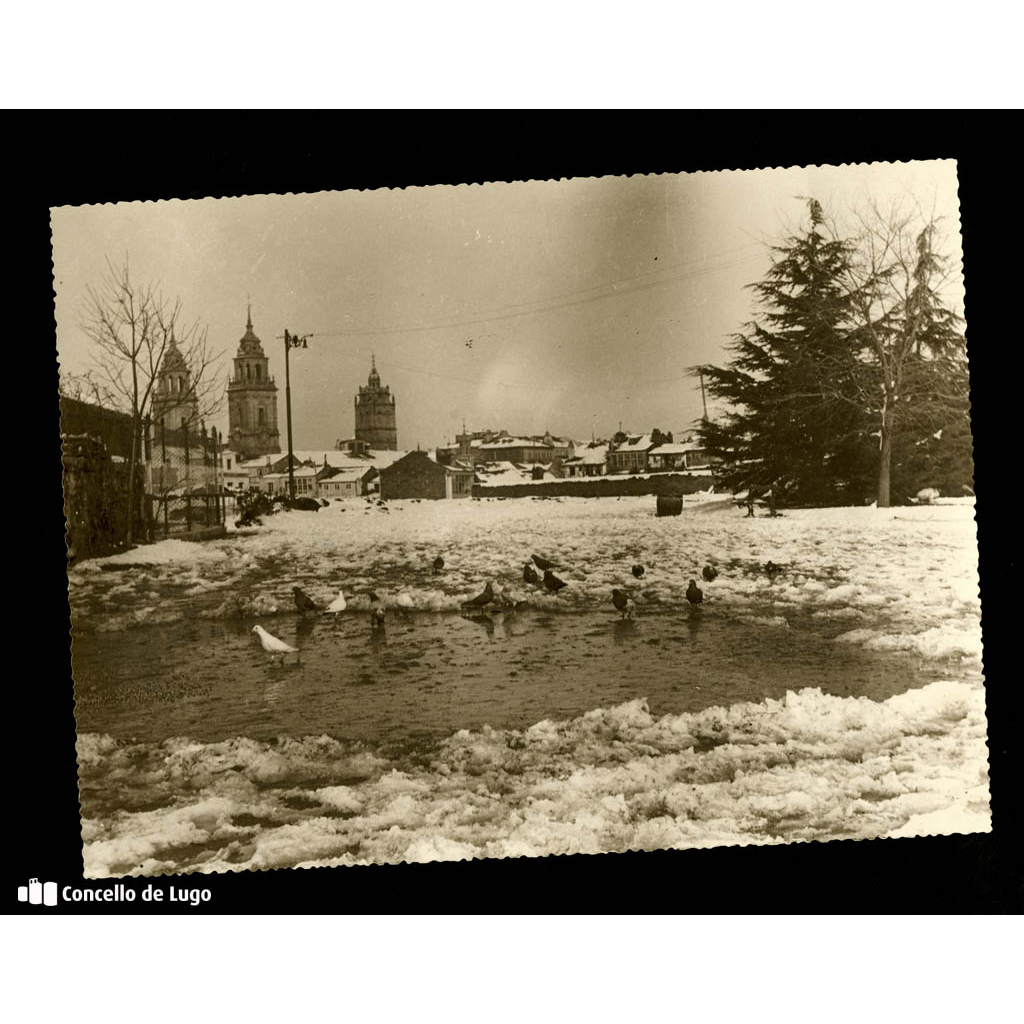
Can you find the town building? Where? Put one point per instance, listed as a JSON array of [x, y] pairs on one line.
[[686, 455], [416, 475], [375, 413], [504, 474], [562, 448], [630, 456], [252, 400], [589, 460], [344, 483], [234, 474], [278, 481], [500, 446]]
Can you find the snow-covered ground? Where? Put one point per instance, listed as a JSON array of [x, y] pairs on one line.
[[811, 766], [899, 578], [807, 767]]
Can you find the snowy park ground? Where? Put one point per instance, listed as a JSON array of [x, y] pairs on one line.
[[751, 763]]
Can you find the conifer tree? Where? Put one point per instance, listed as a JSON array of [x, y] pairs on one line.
[[796, 425]]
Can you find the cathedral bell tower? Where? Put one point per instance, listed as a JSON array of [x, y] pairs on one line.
[[375, 413], [174, 398], [252, 400]]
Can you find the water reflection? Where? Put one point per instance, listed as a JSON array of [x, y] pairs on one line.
[[694, 621], [304, 627], [272, 688], [448, 671], [487, 623], [378, 641], [623, 630]]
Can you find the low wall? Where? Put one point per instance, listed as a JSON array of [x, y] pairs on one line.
[[600, 487], [96, 500]]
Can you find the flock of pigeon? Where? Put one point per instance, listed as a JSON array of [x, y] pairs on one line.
[[493, 599]]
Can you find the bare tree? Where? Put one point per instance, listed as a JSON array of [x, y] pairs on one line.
[[897, 281], [131, 328]]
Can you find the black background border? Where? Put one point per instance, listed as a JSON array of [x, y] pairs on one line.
[[67, 159]]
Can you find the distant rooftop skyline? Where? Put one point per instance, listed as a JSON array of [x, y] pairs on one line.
[[561, 306]]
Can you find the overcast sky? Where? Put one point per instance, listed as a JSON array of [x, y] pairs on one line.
[[552, 305]]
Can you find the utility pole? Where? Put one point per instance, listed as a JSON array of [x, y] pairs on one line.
[[291, 341]]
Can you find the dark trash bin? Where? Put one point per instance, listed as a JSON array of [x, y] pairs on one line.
[[670, 504]]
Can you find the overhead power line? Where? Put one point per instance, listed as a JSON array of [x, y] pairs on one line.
[[421, 370], [513, 312]]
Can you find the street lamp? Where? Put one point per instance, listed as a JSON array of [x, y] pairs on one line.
[[291, 341]]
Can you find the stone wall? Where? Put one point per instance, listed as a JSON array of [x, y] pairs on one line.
[[95, 500], [600, 486]]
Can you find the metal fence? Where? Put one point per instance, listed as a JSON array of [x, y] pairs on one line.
[[184, 492]]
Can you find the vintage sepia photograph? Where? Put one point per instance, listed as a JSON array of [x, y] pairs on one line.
[[519, 519]]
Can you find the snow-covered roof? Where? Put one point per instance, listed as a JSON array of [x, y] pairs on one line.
[[345, 476], [500, 471], [501, 474], [513, 442], [346, 460], [300, 471], [635, 444], [589, 456], [674, 449]]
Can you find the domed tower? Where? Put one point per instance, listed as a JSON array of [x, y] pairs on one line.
[[174, 397], [375, 413], [252, 400]]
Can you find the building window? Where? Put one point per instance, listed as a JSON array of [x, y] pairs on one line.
[[259, 412], [257, 373]]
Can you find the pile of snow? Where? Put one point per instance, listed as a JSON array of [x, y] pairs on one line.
[[810, 766]]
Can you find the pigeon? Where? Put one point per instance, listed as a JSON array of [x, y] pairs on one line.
[[709, 572], [542, 563], [376, 610], [508, 599], [272, 645], [303, 601], [638, 571], [530, 575], [339, 604], [624, 603], [405, 601], [693, 593], [482, 599], [552, 582], [438, 564]]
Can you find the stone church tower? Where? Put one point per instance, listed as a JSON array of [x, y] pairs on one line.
[[174, 397], [252, 400], [375, 414]]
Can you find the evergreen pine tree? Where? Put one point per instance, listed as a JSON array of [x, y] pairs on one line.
[[796, 425], [933, 447]]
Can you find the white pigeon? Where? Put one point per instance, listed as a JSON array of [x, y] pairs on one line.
[[339, 604], [272, 645], [405, 601]]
